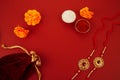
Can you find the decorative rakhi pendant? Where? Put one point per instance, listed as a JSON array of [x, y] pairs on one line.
[[18, 66], [83, 64]]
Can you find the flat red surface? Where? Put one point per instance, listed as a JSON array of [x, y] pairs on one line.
[[58, 44]]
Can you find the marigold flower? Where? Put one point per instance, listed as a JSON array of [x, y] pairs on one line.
[[32, 17], [84, 12], [20, 32]]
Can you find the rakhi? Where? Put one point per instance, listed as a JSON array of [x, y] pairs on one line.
[[98, 62], [18, 66], [84, 64]]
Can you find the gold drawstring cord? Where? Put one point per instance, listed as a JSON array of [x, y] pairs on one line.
[[38, 72], [16, 46], [32, 54]]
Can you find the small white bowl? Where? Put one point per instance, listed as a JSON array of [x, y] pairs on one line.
[[68, 16]]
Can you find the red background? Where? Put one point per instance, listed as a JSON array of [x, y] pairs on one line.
[[58, 44]]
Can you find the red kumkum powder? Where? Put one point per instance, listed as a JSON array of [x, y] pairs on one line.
[[82, 26]]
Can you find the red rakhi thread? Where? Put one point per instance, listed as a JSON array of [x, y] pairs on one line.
[[98, 31], [112, 28], [17, 66], [103, 27], [98, 61]]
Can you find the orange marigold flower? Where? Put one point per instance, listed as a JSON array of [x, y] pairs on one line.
[[84, 12], [32, 17], [20, 32]]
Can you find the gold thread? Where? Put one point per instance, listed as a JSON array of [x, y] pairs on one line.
[[91, 72], [91, 54], [76, 74], [34, 57], [104, 49]]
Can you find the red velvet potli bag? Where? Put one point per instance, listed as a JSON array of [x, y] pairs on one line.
[[19, 66]]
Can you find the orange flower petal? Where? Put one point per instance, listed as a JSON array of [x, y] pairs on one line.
[[84, 12], [20, 32]]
